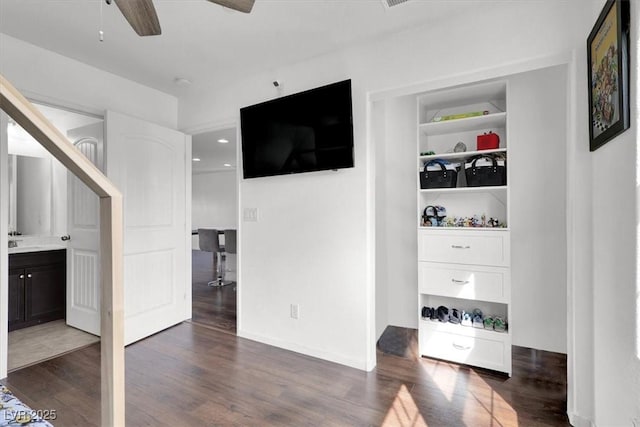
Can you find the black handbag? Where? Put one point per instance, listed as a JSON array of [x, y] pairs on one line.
[[443, 178], [486, 175]]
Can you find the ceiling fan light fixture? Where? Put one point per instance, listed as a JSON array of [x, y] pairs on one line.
[[391, 3]]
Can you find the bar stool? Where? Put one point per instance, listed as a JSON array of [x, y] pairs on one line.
[[209, 242], [229, 244]]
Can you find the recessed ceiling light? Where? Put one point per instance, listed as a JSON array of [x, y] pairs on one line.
[[227, 165], [196, 159], [223, 141]]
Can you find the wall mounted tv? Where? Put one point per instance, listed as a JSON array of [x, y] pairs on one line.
[[304, 132]]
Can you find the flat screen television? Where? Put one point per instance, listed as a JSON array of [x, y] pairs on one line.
[[304, 132]]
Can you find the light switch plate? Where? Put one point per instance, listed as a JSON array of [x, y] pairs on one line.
[[250, 214]]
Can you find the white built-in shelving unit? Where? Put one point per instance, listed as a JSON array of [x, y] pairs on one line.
[[464, 267]]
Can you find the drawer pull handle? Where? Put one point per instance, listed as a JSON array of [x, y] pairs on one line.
[[21, 276], [460, 247], [461, 347], [29, 275], [460, 282]]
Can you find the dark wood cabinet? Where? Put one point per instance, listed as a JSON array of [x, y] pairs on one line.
[[37, 288], [16, 297]]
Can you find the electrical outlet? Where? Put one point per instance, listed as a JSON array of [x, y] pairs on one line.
[[295, 311]]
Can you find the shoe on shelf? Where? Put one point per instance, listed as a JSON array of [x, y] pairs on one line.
[[455, 316], [427, 312], [423, 312], [467, 319], [477, 318], [443, 314], [499, 324], [489, 322]]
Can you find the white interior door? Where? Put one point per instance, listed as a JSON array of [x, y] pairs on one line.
[[83, 225], [147, 163]]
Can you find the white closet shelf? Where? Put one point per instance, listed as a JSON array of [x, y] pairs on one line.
[[461, 156], [463, 125]]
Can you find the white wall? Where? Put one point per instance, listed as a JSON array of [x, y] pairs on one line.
[[400, 243], [4, 253], [537, 141], [215, 201], [312, 244], [52, 78], [616, 291], [505, 34], [378, 125]]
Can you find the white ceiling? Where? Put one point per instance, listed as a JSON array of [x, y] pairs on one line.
[[212, 154], [202, 41]]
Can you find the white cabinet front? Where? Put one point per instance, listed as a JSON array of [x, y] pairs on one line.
[[486, 353], [464, 281], [464, 247]]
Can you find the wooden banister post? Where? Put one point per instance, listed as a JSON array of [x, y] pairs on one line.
[[112, 312]]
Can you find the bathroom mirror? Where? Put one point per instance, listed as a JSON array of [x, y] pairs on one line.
[[37, 196]]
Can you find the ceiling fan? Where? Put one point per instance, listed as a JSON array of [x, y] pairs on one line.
[[143, 18]]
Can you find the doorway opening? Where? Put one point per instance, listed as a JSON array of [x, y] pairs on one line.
[[214, 207], [39, 192]]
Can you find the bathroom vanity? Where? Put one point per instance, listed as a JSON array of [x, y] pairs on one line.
[[37, 285]]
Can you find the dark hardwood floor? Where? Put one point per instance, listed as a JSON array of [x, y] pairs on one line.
[[212, 307], [191, 375]]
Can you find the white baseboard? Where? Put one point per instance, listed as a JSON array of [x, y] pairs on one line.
[[314, 352], [577, 421]]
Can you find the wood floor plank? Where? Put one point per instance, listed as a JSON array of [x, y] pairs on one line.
[[211, 306], [191, 375]]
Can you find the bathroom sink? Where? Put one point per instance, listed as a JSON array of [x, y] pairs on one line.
[[35, 248]]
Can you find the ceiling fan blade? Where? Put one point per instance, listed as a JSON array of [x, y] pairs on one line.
[[141, 16], [239, 5]]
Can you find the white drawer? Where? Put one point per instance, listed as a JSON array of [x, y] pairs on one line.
[[464, 247], [464, 281], [486, 353]]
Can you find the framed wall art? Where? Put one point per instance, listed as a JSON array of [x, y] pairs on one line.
[[608, 62]]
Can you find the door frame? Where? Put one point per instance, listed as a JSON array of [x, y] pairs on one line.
[[4, 250], [212, 127], [4, 213], [567, 59]]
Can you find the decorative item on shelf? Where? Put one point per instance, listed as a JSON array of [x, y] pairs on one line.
[[487, 141], [484, 171], [433, 216], [474, 221], [439, 173], [460, 147], [460, 116], [428, 153]]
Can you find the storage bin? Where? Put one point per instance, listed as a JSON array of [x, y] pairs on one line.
[[441, 178], [485, 171], [488, 141]]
